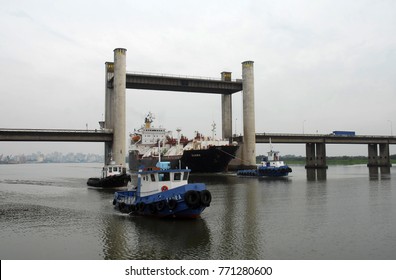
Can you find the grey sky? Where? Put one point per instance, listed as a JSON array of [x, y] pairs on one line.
[[319, 65]]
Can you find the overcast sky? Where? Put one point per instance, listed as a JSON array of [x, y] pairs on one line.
[[319, 65]]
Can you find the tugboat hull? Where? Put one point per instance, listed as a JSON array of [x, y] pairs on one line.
[[187, 201], [115, 181], [266, 172]]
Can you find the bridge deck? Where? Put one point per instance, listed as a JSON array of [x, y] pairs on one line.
[[321, 138], [177, 83], [56, 135], [73, 135]]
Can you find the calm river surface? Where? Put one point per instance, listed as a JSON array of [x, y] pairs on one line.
[[47, 212]]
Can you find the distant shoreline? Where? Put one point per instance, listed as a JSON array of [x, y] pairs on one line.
[[341, 160]]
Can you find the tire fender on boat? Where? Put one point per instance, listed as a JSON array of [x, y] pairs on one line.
[[141, 206], [160, 205], [192, 199], [121, 207], [172, 204], [153, 208], [206, 198]]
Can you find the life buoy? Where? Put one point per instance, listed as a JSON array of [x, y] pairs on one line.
[[164, 188], [192, 199], [172, 204], [206, 198]]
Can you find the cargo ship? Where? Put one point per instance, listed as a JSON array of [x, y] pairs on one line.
[[200, 154]]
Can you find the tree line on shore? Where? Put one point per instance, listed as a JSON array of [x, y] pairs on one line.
[[331, 160]]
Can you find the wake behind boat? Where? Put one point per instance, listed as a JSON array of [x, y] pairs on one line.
[[113, 176], [164, 192]]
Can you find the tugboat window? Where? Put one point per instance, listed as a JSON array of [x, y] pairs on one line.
[[185, 175], [152, 177], [177, 177], [164, 177]]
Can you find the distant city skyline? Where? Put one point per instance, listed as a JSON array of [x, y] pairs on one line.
[[54, 157]]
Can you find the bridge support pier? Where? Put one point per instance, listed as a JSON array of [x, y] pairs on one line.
[[115, 107], [226, 109], [109, 74], [379, 160], [316, 161], [249, 125]]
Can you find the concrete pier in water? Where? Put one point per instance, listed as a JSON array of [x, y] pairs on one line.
[[115, 117], [249, 124]]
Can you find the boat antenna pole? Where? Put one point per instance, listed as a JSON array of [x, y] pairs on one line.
[[159, 151]]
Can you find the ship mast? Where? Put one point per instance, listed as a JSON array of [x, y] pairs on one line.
[[213, 130], [148, 120]]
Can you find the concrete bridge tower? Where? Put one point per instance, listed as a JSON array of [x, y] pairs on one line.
[[115, 107], [226, 109], [249, 125]]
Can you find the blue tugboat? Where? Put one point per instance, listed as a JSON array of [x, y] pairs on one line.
[[164, 192], [270, 166]]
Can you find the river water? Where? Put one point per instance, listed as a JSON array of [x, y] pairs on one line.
[[47, 212]]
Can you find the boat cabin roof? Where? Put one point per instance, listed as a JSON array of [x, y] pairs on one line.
[[152, 170], [161, 167]]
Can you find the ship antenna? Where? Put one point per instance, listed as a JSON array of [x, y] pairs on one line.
[[159, 151], [213, 130]]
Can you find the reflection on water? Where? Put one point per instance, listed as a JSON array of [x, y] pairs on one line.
[[134, 237], [349, 215], [379, 173]]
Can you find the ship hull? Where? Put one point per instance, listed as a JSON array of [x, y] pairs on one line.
[[213, 159]]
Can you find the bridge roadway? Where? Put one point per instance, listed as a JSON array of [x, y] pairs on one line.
[[320, 138], [56, 135], [75, 135]]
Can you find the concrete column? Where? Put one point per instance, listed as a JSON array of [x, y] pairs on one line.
[[321, 155], [226, 110], [310, 155], [249, 125], [372, 155], [316, 161], [109, 73], [384, 159], [118, 110]]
